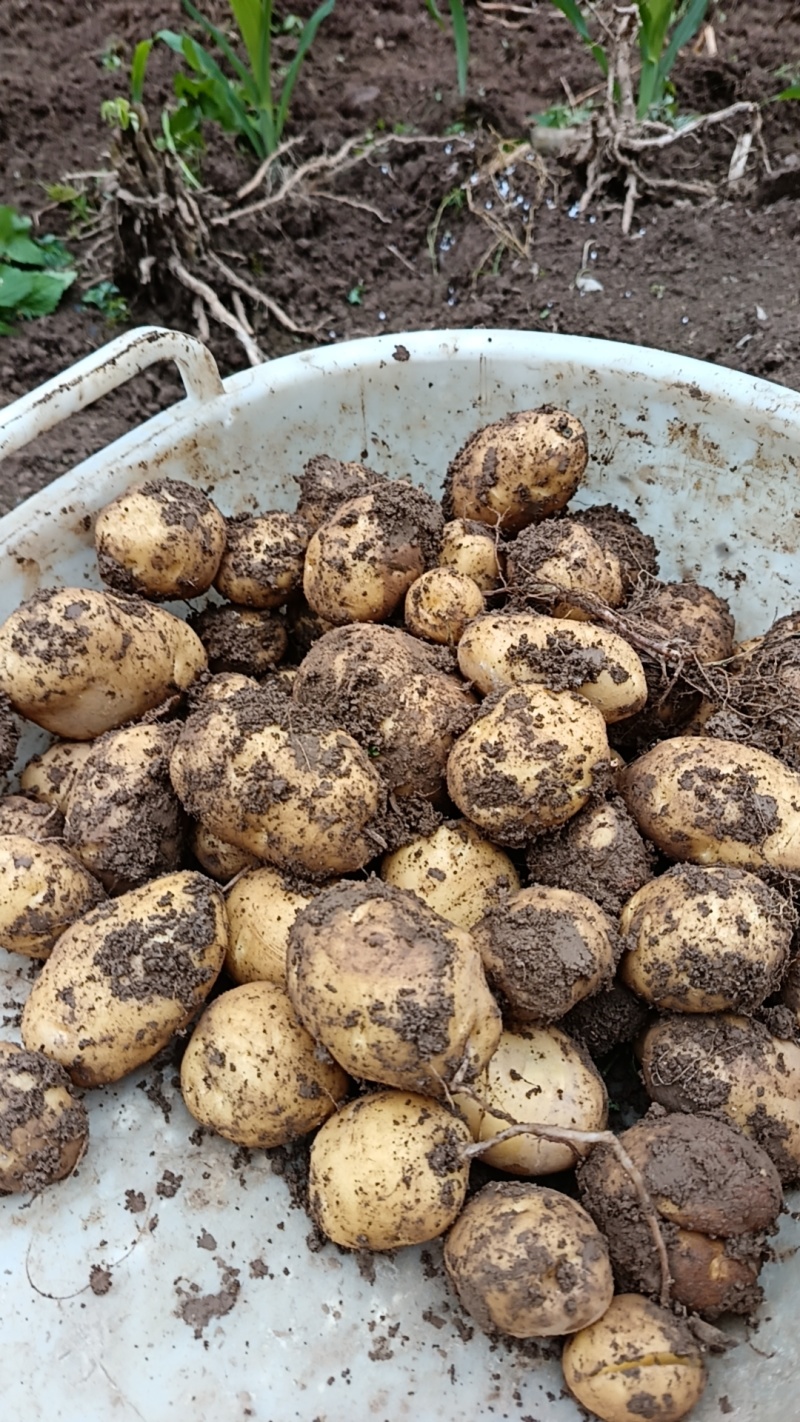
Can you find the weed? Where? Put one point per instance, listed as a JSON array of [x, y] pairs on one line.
[[34, 271], [563, 115], [355, 295], [108, 299], [458, 19]]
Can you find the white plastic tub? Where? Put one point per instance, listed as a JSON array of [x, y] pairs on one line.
[[217, 1310]]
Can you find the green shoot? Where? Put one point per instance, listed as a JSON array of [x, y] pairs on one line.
[[458, 20], [108, 299], [33, 271]]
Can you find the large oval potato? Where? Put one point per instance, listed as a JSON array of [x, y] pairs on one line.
[[80, 662], [126, 977], [455, 871], [43, 889], [44, 1129], [517, 470]]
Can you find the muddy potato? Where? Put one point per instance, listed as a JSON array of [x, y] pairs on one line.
[[9, 734], [529, 1261], [715, 802], [263, 559], [163, 539], [33, 818], [619, 533], [49, 776], [126, 977], [326, 483], [439, 605], [93, 660], [638, 1360], [388, 1171], [360, 563], [552, 559], [262, 906], [691, 613], [500, 650], [541, 1076], [43, 889], [471, 548], [528, 762], [411, 1007], [123, 820], [44, 1129], [546, 949], [734, 1067], [611, 1016], [705, 940], [240, 639], [304, 626], [252, 1073], [599, 852], [220, 860], [518, 470], [259, 773], [454, 871]]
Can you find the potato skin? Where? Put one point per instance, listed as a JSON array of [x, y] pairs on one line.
[[49, 776], [126, 977], [386, 1171], [262, 906], [517, 470], [567, 556], [599, 852], [33, 818], [455, 871], [93, 660], [440, 604], [247, 640], [43, 889], [470, 548], [44, 1129], [163, 539], [263, 559], [637, 1360]]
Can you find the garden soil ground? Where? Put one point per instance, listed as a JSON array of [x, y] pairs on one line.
[[714, 279]]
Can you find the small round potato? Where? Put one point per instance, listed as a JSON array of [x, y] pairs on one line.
[[263, 559], [557, 557], [518, 470], [33, 818], [262, 906], [240, 639], [705, 940], [163, 539], [49, 776], [253, 1074], [528, 763], [439, 605], [471, 548], [454, 871], [396, 993], [44, 1129], [538, 1076], [387, 1171], [638, 1360], [529, 1261], [599, 852], [43, 889], [220, 860]]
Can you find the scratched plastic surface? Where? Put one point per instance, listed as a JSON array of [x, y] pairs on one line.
[[171, 1276]]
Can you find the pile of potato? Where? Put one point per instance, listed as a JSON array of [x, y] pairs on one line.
[[419, 815]]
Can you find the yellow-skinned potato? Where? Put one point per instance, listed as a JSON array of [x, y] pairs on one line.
[[528, 762], [637, 1356], [126, 977], [715, 802], [49, 776], [388, 1171], [455, 871], [262, 907], [691, 613], [260, 775], [33, 818], [162, 540], [252, 1073], [439, 605], [471, 548], [93, 660], [552, 559], [410, 1007], [537, 1075], [705, 940], [263, 559], [44, 1130], [528, 1261], [500, 650], [43, 889], [220, 860], [518, 470], [247, 640]]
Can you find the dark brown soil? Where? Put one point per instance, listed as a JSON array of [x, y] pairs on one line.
[[716, 281]]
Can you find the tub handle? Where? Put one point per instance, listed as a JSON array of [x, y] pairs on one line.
[[102, 371]]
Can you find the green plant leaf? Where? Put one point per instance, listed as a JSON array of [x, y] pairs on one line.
[[575, 16], [141, 54], [461, 41], [226, 48], [435, 13], [32, 293], [685, 30], [791, 93], [15, 244], [304, 44], [108, 299], [231, 112]]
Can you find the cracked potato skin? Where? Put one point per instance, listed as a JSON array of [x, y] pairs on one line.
[[517, 470]]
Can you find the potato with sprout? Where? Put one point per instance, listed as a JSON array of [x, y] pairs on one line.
[[638, 1360], [162, 540], [471, 548], [454, 870], [518, 470], [263, 559], [44, 1130]]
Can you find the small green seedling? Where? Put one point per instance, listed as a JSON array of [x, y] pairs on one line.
[[34, 271]]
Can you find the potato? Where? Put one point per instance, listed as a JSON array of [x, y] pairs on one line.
[[439, 605], [126, 977], [240, 639], [303, 625], [360, 563], [500, 650], [163, 539], [259, 774], [538, 1075], [732, 1066], [388, 1171], [689, 612], [706, 940], [220, 860], [44, 1129], [33, 818], [123, 820], [552, 559], [637, 1361], [529, 1261], [9, 734], [252, 1073], [395, 993], [619, 533], [599, 852], [454, 871], [715, 802], [611, 1016], [262, 906], [517, 470], [93, 660], [263, 559], [327, 483], [544, 950], [49, 776], [528, 762], [43, 889], [471, 548]]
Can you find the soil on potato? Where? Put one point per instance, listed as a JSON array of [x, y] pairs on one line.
[[713, 280]]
